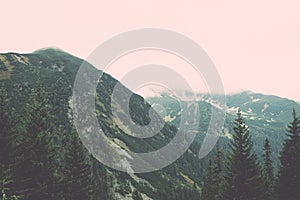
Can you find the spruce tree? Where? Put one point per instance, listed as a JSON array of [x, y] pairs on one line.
[[7, 146], [289, 173], [243, 177], [208, 187], [5, 140], [77, 170], [99, 181], [268, 171], [34, 170], [214, 181]]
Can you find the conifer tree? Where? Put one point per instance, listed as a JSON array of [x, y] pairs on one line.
[[268, 171], [208, 187], [289, 173], [99, 181], [7, 146], [243, 177], [34, 170], [5, 140], [77, 170], [214, 182]]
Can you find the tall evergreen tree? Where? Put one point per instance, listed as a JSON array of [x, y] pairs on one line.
[[7, 146], [268, 171], [34, 170], [243, 177], [77, 170], [214, 181], [208, 187], [99, 181], [289, 173]]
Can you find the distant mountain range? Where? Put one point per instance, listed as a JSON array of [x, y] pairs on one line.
[[55, 70], [266, 115]]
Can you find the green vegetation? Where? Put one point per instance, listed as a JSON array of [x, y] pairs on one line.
[[42, 157], [214, 182], [46, 147], [268, 171], [289, 174], [243, 176], [245, 179]]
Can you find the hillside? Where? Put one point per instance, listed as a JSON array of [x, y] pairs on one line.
[[55, 72], [267, 116]]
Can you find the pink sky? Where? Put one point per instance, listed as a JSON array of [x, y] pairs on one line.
[[255, 45]]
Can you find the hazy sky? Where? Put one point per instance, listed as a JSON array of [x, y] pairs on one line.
[[255, 45]]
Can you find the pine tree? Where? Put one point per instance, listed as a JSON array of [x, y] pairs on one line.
[[268, 171], [214, 182], [243, 177], [289, 173], [77, 170], [34, 170]]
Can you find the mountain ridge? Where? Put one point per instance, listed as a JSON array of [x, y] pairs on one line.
[[266, 115], [55, 71]]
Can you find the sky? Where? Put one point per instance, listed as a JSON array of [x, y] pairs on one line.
[[255, 45]]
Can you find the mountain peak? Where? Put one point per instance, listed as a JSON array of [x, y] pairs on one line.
[[49, 49], [248, 92], [54, 53]]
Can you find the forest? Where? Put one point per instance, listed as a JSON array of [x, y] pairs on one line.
[[42, 156], [35, 166]]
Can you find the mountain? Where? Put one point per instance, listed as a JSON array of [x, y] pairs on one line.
[[55, 71], [267, 116]]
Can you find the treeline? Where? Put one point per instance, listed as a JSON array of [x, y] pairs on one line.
[[38, 162], [237, 174]]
